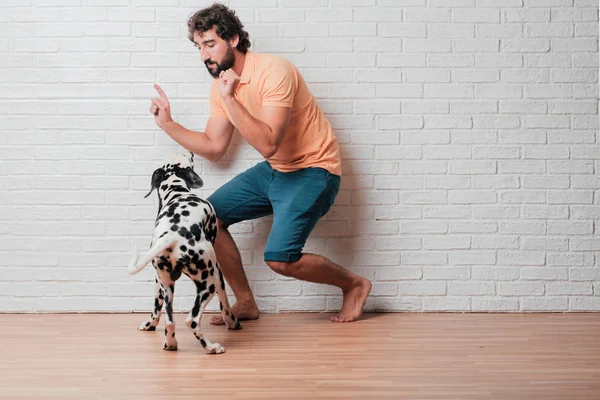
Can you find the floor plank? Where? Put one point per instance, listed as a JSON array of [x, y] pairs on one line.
[[304, 356]]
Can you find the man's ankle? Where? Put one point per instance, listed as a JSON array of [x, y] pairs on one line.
[[246, 301]]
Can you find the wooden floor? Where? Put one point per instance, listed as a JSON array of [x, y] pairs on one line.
[[304, 356]]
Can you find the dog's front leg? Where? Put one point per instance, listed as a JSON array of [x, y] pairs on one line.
[[170, 341], [203, 296], [159, 298], [230, 320]]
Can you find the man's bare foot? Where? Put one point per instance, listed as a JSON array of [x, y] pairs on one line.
[[354, 301], [242, 311]]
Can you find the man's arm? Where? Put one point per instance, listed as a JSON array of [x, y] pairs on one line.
[[264, 133], [211, 144]]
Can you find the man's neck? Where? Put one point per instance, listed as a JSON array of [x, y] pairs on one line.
[[240, 59]]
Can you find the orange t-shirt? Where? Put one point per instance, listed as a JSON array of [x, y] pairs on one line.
[[269, 80]]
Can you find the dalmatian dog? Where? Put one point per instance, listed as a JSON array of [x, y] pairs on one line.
[[184, 235]]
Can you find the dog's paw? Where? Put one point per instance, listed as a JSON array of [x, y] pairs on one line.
[[147, 326], [234, 325], [215, 348], [169, 347]]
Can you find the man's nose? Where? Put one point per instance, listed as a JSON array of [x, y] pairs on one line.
[[204, 56]]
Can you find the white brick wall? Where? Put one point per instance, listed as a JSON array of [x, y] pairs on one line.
[[468, 130]]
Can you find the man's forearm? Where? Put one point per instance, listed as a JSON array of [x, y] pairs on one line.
[[256, 132], [196, 142]]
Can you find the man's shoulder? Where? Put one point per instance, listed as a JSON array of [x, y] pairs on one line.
[[273, 61]]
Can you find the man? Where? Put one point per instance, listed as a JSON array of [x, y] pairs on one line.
[[267, 100]]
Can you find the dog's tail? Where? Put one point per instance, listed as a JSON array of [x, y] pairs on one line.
[[161, 245]]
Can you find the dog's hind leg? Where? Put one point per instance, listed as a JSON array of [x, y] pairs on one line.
[[159, 298], [203, 297], [230, 320], [170, 341]]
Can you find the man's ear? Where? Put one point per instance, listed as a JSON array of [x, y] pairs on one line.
[[157, 177], [234, 41], [192, 179]]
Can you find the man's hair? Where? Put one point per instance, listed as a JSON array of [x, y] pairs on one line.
[[227, 23]]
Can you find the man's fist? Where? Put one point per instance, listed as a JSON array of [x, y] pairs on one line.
[[160, 108], [228, 83]]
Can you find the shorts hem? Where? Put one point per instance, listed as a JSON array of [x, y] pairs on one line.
[[282, 256]]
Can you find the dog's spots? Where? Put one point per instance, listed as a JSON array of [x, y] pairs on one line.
[[175, 274], [195, 309], [183, 248], [204, 274], [204, 297], [171, 210], [163, 263], [185, 213], [221, 279], [193, 325], [192, 204], [185, 232], [203, 342], [175, 219], [174, 228], [200, 286], [195, 230], [211, 289]]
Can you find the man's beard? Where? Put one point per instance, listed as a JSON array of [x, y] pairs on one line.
[[227, 63]]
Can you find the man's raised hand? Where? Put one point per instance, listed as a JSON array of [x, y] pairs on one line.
[[160, 108]]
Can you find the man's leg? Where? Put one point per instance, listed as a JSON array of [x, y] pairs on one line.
[[299, 200], [318, 269], [242, 198], [245, 307]]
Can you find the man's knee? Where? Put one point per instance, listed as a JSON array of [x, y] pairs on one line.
[[281, 267]]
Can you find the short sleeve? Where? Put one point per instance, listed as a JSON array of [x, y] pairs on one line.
[[216, 108], [279, 86]]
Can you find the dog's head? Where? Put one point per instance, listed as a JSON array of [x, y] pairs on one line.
[[175, 174]]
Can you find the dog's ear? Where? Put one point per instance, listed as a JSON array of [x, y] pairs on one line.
[[192, 179], [157, 177]]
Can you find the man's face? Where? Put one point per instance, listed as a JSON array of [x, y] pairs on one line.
[[216, 53]]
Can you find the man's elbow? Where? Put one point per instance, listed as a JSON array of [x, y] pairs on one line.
[[270, 151], [216, 156]]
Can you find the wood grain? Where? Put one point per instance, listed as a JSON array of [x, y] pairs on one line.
[[304, 356]]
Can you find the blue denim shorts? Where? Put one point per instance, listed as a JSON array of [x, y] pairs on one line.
[[296, 199]]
